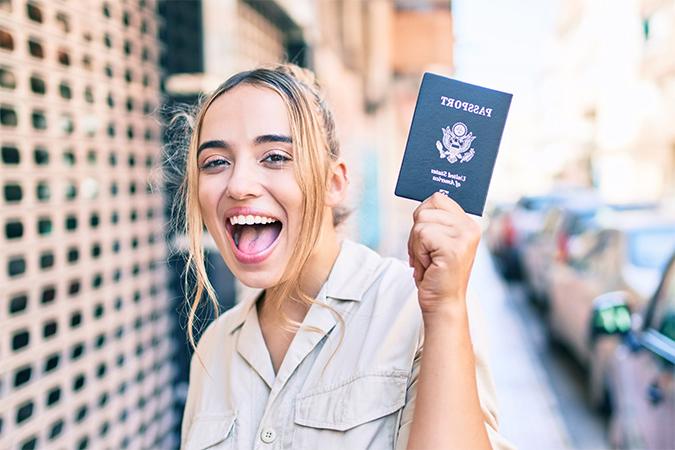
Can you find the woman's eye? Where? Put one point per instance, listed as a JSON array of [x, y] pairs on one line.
[[276, 158], [213, 163]]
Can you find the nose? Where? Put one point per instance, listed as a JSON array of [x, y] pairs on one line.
[[243, 183]]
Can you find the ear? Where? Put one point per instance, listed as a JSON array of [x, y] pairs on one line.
[[337, 184]]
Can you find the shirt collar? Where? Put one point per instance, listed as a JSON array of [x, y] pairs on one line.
[[347, 280]]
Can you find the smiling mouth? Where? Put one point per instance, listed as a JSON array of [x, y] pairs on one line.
[[253, 234]]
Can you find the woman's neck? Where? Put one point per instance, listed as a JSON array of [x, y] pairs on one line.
[[317, 269]]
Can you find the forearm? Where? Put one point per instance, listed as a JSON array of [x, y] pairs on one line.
[[447, 409]]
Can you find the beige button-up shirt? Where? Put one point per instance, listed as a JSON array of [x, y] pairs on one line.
[[345, 387]]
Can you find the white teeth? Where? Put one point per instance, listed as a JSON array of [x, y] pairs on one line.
[[250, 220]]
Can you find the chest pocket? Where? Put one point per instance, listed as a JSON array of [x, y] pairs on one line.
[[213, 432], [359, 413]]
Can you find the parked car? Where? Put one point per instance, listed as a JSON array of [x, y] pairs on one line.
[[510, 226], [567, 219], [624, 251], [643, 367]]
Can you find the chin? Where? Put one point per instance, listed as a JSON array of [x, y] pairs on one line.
[[257, 280]]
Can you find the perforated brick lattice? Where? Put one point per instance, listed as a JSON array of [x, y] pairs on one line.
[[84, 356]]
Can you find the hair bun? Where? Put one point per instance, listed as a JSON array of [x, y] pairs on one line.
[[301, 74]]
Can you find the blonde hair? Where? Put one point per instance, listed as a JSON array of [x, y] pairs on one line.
[[315, 147]]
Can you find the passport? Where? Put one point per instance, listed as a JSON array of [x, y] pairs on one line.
[[453, 142]]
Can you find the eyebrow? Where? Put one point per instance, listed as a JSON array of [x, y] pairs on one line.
[[262, 139]]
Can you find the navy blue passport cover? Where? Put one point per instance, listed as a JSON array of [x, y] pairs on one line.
[[453, 141]]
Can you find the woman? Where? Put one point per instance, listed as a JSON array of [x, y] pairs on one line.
[[329, 354]]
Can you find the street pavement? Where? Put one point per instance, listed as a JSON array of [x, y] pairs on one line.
[[530, 413]]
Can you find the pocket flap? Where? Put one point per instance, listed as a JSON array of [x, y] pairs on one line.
[[209, 430], [357, 401]]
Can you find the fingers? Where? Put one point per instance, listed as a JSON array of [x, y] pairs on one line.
[[439, 201]]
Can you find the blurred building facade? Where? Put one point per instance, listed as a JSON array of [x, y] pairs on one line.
[[608, 96], [84, 359]]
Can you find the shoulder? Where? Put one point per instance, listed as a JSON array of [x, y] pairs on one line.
[[385, 275], [386, 289]]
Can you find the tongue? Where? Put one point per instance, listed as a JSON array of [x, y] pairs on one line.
[[256, 238]]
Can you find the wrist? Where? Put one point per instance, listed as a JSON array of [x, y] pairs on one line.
[[449, 311]]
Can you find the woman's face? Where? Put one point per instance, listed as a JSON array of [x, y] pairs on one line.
[[249, 198]]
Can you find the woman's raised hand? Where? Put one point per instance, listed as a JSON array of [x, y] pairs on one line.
[[441, 249]]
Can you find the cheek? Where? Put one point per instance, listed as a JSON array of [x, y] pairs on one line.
[[208, 194]]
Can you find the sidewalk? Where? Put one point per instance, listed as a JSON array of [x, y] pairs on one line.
[[529, 412]]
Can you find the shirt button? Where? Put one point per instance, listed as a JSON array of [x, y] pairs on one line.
[[268, 435]]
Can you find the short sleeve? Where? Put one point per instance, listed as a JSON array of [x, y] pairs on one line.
[[486, 395]]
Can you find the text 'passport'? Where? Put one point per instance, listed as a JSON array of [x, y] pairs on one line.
[[453, 141]]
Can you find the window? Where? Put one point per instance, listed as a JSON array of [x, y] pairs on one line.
[[14, 229], [10, 154], [39, 120], [53, 396], [6, 40], [71, 190], [94, 220], [63, 22], [71, 222], [49, 329], [13, 192], [73, 255], [8, 116], [52, 362], [55, 430], [67, 125], [87, 62], [89, 94], [35, 49], [107, 40], [20, 339], [63, 57], [38, 85], [46, 260], [24, 412], [69, 158], [65, 91], [41, 156], [44, 226], [16, 266], [48, 295], [22, 376], [7, 78], [42, 191], [33, 12], [18, 304]]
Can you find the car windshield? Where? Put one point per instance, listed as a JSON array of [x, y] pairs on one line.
[[651, 248]]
